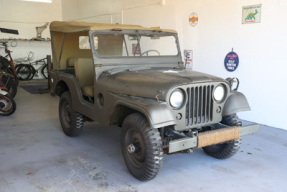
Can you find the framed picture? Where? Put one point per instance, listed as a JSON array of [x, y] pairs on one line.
[[251, 14]]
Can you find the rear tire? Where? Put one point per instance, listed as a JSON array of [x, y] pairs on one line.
[[24, 72], [227, 149], [145, 162], [71, 121], [45, 71], [33, 72]]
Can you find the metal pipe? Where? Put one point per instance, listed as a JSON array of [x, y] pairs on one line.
[[61, 48], [54, 48]]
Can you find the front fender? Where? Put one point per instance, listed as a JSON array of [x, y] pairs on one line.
[[3, 92], [236, 102], [157, 112]]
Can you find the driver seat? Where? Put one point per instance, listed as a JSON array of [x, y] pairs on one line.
[[85, 73]]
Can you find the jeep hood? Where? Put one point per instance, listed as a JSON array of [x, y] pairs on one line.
[[149, 83]]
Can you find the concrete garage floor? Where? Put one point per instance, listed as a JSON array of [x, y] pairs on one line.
[[35, 155]]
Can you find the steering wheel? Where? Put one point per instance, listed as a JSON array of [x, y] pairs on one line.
[[151, 50]]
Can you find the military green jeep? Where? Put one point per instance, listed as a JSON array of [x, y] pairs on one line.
[[134, 77]]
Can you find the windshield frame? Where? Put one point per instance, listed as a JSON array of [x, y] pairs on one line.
[[135, 33]]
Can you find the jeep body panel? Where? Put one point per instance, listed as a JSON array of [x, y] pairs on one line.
[[152, 83], [235, 103], [79, 104], [157, 113]]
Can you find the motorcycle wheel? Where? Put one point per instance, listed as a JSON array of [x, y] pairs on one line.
[[7, 105], [10, 85]]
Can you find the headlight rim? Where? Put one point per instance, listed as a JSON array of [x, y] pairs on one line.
[[224, 95], [183, 99]]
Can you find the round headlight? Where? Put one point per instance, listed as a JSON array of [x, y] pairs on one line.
[[219, 93], [176, 99]]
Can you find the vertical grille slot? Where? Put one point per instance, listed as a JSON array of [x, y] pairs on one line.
[[211, 105], [196, 105], [199, 107], [187, 111]]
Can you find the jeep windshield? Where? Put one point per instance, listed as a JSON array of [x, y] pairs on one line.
[[135, 45]]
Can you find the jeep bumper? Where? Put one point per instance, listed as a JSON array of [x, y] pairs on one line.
[[216, 136]]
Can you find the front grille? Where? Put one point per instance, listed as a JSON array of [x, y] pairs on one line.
[[199, 105]]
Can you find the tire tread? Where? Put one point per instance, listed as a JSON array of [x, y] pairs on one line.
[[77, 119], [154, 152]]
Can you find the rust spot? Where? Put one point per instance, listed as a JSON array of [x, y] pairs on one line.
[[165, 150], [77, 181], [29, 174]]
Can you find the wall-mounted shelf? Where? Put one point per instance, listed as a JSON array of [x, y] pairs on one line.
[[26, 40]]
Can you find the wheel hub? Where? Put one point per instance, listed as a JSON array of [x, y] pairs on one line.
[[3, 104], [131, 148]]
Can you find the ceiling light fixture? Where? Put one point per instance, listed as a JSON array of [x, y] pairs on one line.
[[40, 1]]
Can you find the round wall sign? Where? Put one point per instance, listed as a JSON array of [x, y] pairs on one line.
[[231, 61], [193, 19]]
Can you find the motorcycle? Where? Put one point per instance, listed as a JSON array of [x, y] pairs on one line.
[[7, 103], [8, 66], [7, 82]]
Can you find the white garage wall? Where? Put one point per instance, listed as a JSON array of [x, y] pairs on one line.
[[261, 47], [24, 17], [108, 11], [92, 11]]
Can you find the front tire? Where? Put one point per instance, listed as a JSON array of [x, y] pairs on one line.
[[71, 121], [227, 149], [15, 79], [141, 147]]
